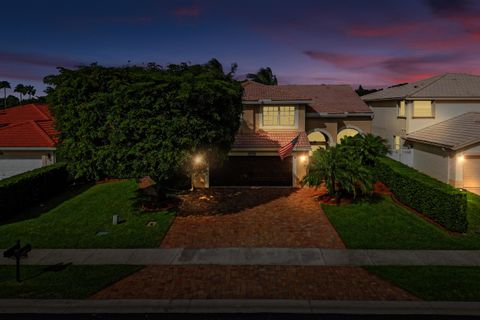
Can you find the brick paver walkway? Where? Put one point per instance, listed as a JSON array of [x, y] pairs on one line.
[[253, 282], [292, 221]]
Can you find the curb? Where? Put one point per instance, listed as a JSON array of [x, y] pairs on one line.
[[28, 306]]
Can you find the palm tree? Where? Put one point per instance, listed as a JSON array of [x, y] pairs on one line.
[[4, 85], [264, 75], [369, 147], [21, 89], [30, 90]]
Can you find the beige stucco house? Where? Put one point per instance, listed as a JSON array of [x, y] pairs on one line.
[[428, 125], [320, 115]]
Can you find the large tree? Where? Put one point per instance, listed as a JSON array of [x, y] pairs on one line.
[[30, 90], [137, 121], [4, 85], [264, 75]]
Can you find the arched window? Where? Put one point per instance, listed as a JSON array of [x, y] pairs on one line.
[[347, 132], [317, 140]]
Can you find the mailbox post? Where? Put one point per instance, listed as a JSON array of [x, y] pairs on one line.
[[17, 252]]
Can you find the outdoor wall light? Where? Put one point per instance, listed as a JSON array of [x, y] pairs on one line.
[[461, 158], [198, 159], [303, 158]]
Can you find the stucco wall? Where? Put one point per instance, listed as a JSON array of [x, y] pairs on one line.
[[385, 123], [443, 110], [432, 161], [333, 125]]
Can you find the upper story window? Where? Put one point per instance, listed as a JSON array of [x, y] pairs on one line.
[[423, 109], [401, 109], [278, 116]]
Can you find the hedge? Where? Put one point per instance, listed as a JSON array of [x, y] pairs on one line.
[[439, 201], [23, 190]]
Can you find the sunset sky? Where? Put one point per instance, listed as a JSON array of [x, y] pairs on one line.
[[373, 43]]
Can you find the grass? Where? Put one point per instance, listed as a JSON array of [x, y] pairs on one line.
[[59, 282], [75, 222], [382, 224], [434, 282]]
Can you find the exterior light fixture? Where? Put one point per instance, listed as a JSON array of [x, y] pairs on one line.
[[461, 158], [303, 158], [198, 159]]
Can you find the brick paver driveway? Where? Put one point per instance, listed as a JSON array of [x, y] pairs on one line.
[[253, 282], [293, 219]]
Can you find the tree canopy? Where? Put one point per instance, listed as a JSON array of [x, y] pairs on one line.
[[264, 75], [136, 121]]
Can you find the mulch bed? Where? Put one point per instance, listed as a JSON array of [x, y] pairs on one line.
[[227, 200]]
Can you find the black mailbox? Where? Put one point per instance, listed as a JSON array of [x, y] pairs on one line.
[[10, 253], [17, 252]]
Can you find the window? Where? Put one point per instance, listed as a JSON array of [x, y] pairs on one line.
[[396, 142], [317, 141], [423, 109], [347, 132], [401, 109], [279, 116]]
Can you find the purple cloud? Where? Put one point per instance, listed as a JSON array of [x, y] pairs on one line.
[[37, 59]]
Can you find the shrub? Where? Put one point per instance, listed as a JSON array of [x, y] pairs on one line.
[[23, 190], [440, 201]]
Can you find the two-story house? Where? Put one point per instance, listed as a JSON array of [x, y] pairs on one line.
[[320, 115], [432, 125]]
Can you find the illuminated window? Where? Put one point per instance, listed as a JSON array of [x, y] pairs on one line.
[[347, 132], [423, 109], [279, 116], [317, 141], [396, 142], [401, 109]]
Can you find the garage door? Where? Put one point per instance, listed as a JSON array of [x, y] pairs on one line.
[[471, 172], [252, 171], [13, 165]]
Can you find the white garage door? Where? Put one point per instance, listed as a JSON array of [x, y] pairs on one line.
[[471, 172], [13, 165]]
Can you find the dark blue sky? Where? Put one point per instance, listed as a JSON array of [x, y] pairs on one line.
[[374, 43]]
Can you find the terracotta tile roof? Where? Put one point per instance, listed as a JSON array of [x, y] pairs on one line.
[[455, 133], [321, 98], [270, 139], [448, 85], [27, 126]]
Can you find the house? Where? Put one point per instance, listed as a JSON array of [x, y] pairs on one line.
[[27, 139], [320, 115], [431, 125]]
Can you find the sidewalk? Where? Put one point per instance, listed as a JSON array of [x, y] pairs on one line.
[[251, 256], [238, 306]]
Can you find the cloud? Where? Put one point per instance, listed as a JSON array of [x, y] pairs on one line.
[[450, 7], [343, 60], [190, 11], [37, 59]]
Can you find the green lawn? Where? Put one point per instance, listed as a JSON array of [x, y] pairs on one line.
[[435, 283], [59, 282], [382, 224], [75, 222]]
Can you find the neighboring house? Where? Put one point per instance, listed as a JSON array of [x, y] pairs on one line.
[[27, 139], [320, 115], [430, 125]]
